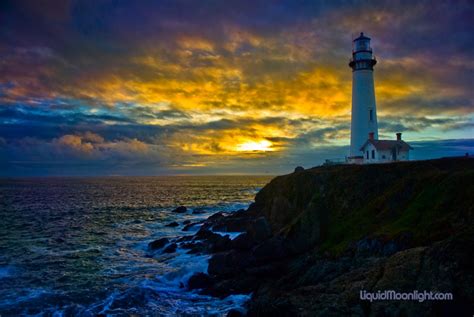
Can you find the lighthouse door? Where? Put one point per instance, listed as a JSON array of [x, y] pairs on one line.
[[394, 154]]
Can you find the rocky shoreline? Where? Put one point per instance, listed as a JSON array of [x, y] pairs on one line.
[[315, 238]]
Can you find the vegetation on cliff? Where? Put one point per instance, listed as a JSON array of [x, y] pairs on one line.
[[418, 202]]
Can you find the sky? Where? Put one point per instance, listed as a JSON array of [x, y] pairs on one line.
[[112, 87]]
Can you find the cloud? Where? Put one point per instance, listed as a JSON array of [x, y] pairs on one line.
[[75, 143], [187, 83], [91, 145]]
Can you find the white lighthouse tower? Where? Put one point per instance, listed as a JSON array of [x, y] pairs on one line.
[[364, 112]]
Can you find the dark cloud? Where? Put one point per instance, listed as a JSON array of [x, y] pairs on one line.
[[419, 123], [191, 78]]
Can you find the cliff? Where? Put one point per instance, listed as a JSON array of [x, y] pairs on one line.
[[404, 226], [315, 238], [422, 201]]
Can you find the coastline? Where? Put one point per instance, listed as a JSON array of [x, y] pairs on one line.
[[313, 239]]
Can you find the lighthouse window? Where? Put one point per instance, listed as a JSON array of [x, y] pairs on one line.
[[373, 154], [367, 154], [371, 115]]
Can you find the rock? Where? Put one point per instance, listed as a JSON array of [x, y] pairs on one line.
[[242, 283], [220, 264], [238, 221], [270, 249], [234, 313], [170, 248], [180, 209], [200, 280], [232, 224], [299, 169], [172, 224], [189, 226], [216, 241], [281, 307], [217, 215], [220, 243], [158, 244], [186, 222], [243, 242], [368, 246], [204, 233], [230, 263], [268, 270], [380, 246], [185, 239], [194, 247], [260, 229], [239, 213]]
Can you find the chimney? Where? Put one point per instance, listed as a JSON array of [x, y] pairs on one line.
[[399, 136], [371, 135]]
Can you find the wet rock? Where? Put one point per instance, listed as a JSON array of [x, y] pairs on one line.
[[239, 213], [196, 250], [172, 224], [230, 263], [216, 216], [243, 242], [190, 226], [231, 224], [200, 280], [180, 210], [215, 241], [204, 233], [220, 243], [158, 244], [239, 284], [170, 248], [185, 239], [186, 222], [236, 222], [194, 247]]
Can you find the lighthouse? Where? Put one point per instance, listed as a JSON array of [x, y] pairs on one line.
[[364, 111]]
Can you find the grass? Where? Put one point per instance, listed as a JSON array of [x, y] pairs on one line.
[[335, 206]]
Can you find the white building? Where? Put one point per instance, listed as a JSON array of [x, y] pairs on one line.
[[364, 112], [385, 151]]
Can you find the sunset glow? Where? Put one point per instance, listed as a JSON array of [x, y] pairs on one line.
[[255, 146], [178, 87]]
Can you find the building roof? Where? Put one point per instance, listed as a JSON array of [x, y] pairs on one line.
[[387, 145], [362, 37]]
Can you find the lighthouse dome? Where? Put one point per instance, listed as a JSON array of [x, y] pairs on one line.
[[362, 43]]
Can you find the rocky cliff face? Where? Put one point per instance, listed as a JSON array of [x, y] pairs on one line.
[[331, 207], [404, 227], [315, 238]]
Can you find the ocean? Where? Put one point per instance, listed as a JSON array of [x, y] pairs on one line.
[[79, 246]]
